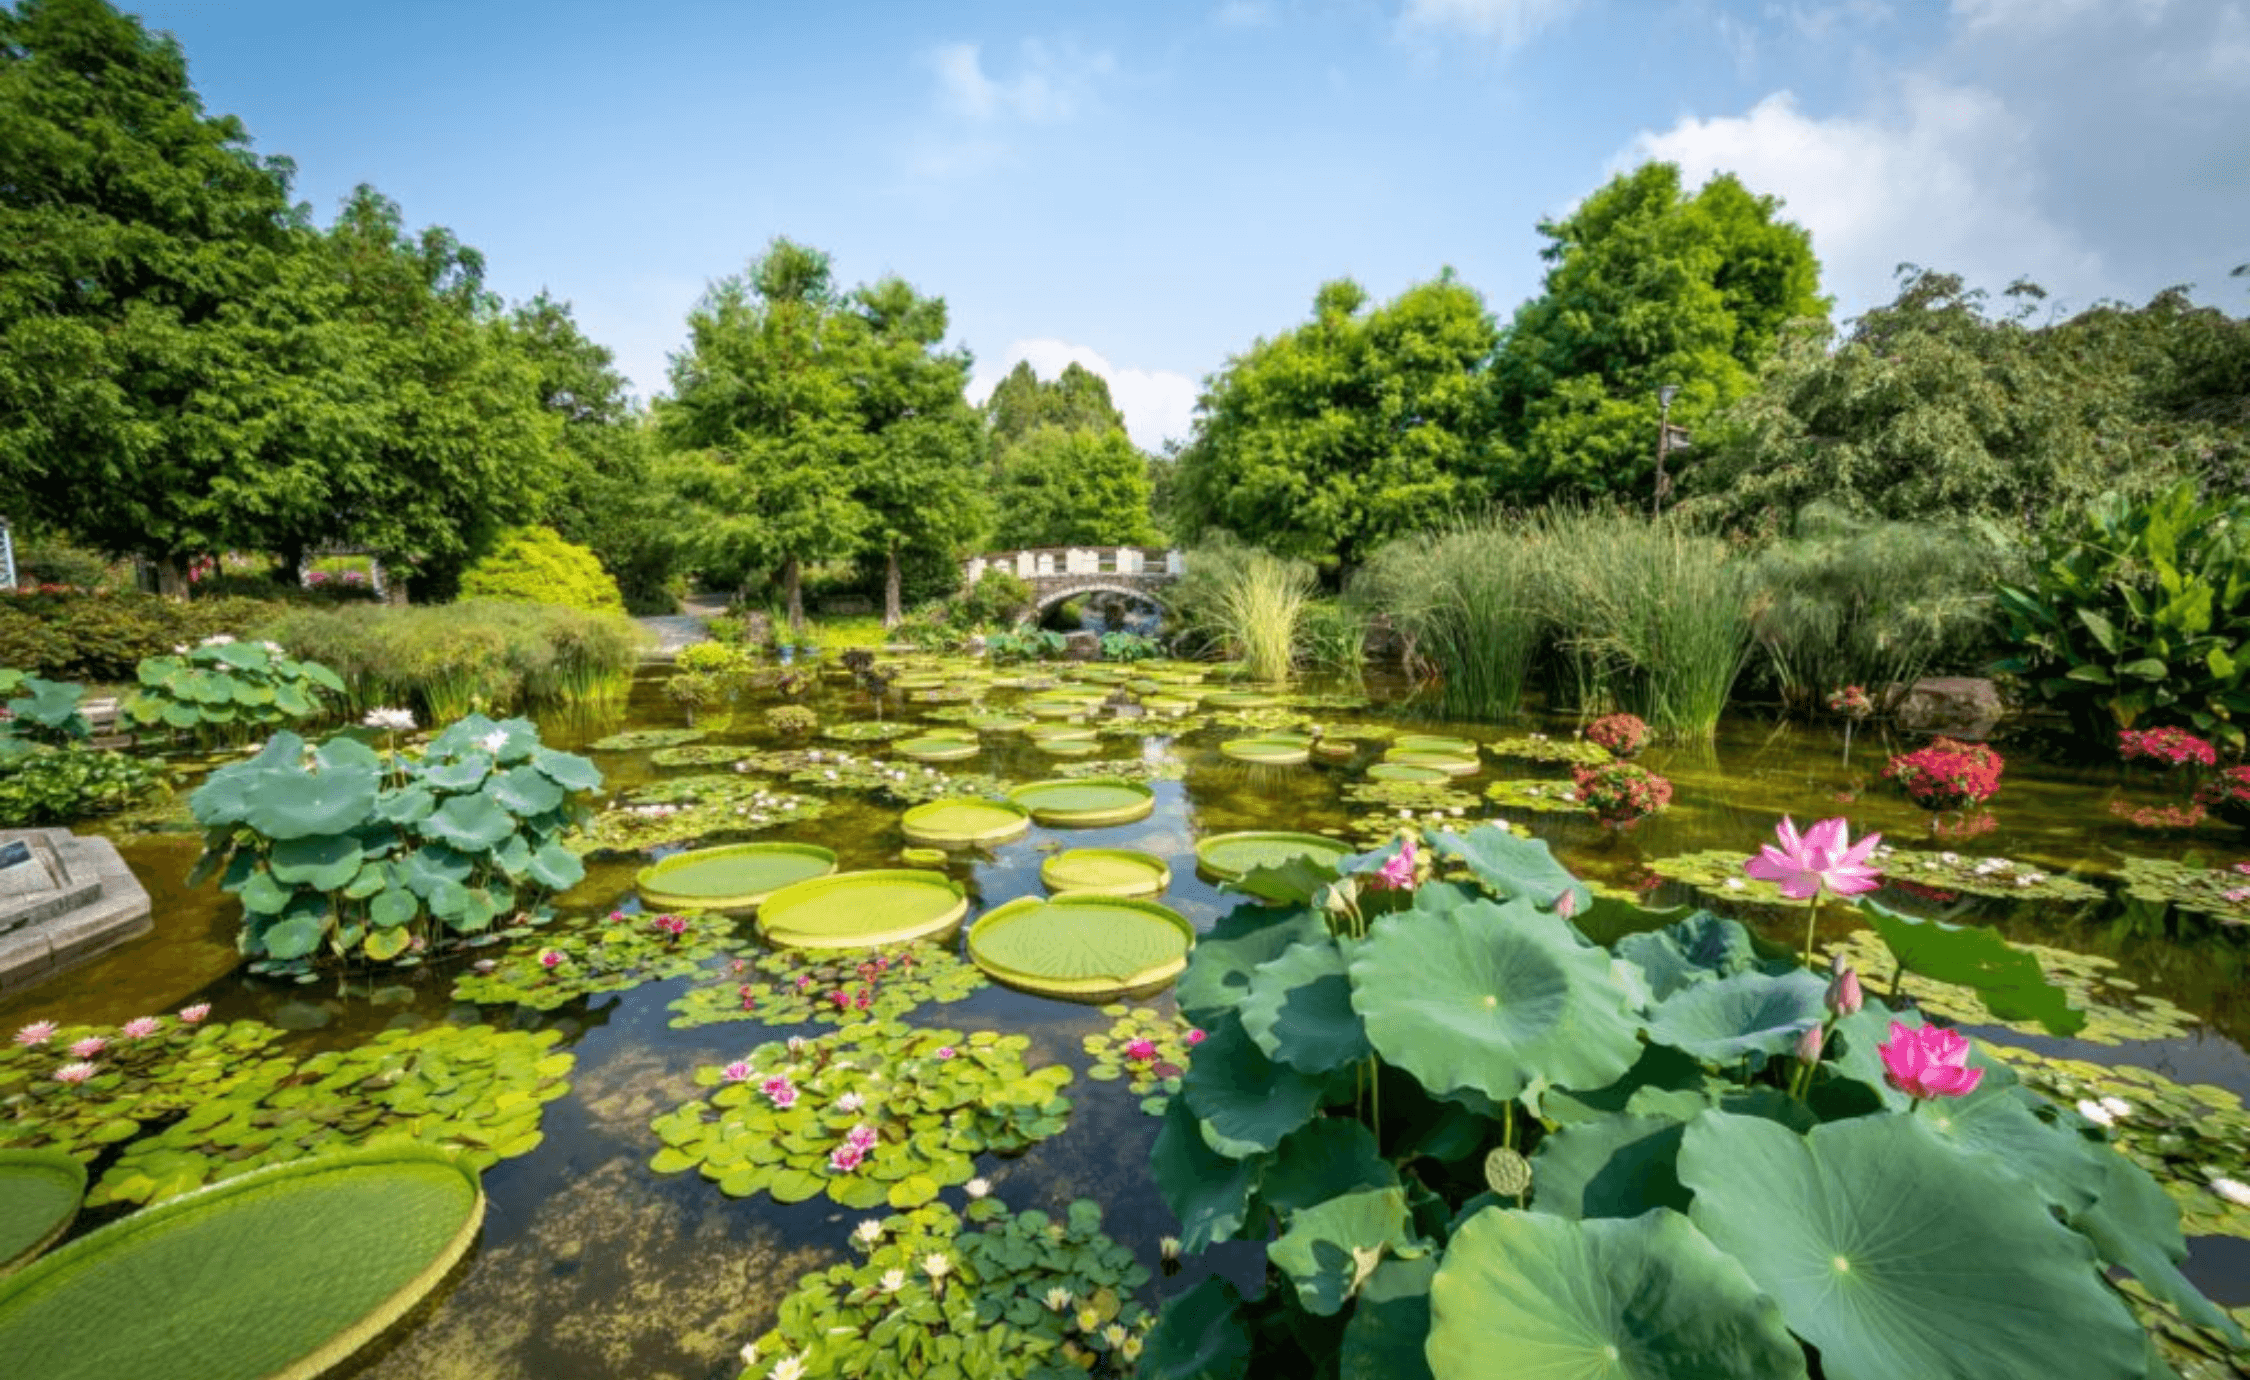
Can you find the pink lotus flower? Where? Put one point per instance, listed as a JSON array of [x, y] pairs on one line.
[[37, 1033], [846, 1158], [74, 1073], [193, 1015], [141, 1027], [550, 959], [1844, 994], [1196, 1037], [1927, 1061], [1810, 1044], [1823, 858], [738, 1072], [945, 1051], [1566, 905], [1398, 873], [1141, 1049], [89, 1047]]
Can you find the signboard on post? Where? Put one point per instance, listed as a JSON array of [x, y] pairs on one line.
[[14, 854]]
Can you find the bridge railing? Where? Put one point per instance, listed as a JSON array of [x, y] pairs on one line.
[[1053, 562]]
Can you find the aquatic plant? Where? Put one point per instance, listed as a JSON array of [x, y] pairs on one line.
[[343, 851], [1947, 775], [1545, 797], [869, 731], [224, 690], [792, 720], [613, 954], [876, 1112], [1147, 1049], [2228, 796], [793, 986], [475, 656], [689, 810], [985, 1292], [40, 784], [138, 1080], [1541, 747], [2222, 893], [1621, 793], [1719, 870], [1669, 1147], [1468, 602], [1821, 861], [1622, 735], [41, 711], [2112, 1015], [1249, 602], [642, 739]]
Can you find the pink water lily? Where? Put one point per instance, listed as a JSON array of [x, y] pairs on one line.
[[1928, 1061], [1196, 1037], [861, 1137], [846, 1158], [89, 1047], [1141, 1049], [1398, 873], [74, 1073], [1823, 858], [738, 1072], [141, 1027], [194, 1015], [37, 1033]]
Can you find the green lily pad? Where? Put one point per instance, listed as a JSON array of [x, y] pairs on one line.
[[1651, 1298], [1106, 872], [1896, 1255], [735, 876], [1085, 804], [963, 823], [1230, 857], [295, 1269], [1447, 763], [1272, 752], [1082, 947], [793, 986], [863, 910], [933, 748], [1544, 797], [1407, 773], [1240, 699], [40, 1191], [614, 953], [642, 739], [869, 731], [1539, 747], [1145, 1048], [2221, 893]]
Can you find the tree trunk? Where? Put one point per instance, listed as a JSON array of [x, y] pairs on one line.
[[891, 612], [793, 579]]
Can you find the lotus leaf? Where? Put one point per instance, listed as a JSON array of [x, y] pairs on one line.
[[1895, 1254], [2115, 1012], [1731, 1018], [469, 823], [933, 1100], [524, 790], [1387, 1335], [1511, 865], [1146, 1048], [1245, 1101], [464, 772], [1332, 1247], [1641, 1299], [1202, 1335], [505, 741], [1494, 998], [1613, 1166], [324, 862], [1697, 949], [1209, 1192], [1299, 1009], [292, 803], [1219, 971], [613, 954], [1323, 1159], [1230, 857], [2008, 979], [791, 986]]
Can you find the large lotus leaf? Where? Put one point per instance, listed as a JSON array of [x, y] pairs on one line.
[[513, 856], [294, 937], [158, 670], [1659, 1066], [347, 752], [1618, 1166], [293, 701], [1245, 1101], [2010, 981], [1208, 1192], [260, 893], [181, 716], [321, 676], [1997, 1120], [1330, 1156], [251, 695], [392, 907], [324, 862], [1331, 1248], [242, 656], [462, 734], [1513, 866], [1201, 1335], [524, 791], [291, 803], [206, 687], [1649, 1298], [1388, 1335], [1493, 998], [1697, 949], [568, 770], [1294, 881], [1897, 1255], [2136, 1227], [1219, 969], [463, 773], [556, 867], [470, 823], [1299, 1009], [408, 805], [428, 867], [1723, 1021]]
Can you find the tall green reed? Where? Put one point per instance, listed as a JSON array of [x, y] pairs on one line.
[[1468, 601], [1250, 602]]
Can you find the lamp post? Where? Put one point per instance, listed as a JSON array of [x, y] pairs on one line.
[[1664, 396]]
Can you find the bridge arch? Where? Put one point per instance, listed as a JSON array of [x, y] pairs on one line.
[[1055, 591]]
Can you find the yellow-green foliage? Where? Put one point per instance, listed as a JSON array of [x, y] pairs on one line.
[[534, 565]]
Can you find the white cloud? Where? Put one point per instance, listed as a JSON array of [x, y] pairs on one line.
[[1050, 86], [1943, 180], [1506, 22], [1158, 404]]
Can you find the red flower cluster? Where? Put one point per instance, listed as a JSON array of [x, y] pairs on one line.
[[1851, 702], [1621, 793], [2158, 816], [1623, 734], [1947, 775], [2173, 747], [2227, 796]]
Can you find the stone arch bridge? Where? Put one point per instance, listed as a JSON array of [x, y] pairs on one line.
[[1056, 573]]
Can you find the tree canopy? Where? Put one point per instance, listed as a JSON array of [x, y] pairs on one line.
[[1065, 486], [1021, 403]]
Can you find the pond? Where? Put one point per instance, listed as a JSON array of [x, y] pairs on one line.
[[594, 1264]]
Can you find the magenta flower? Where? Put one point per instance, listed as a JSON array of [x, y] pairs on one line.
[[1822, 858], [1926, 1061], [945, 1051], [738, 1072], [1196, 1037], [74, 1073], [550, 959], [846, 1158], [141, 1027], [1398, 873], [89, 1047], [780, 1092], [861, 1137], [37, 1033], [1141, 1049], [193, 1015]]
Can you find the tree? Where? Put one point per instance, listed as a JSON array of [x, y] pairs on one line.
[[1021, 403], [921, 479], [1063, 486], [763, 432], [1646, 286], [1349, 430]]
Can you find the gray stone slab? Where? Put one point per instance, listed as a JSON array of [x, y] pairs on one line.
[[98, 905]]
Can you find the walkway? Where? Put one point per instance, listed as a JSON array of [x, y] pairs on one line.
[[685, 628]]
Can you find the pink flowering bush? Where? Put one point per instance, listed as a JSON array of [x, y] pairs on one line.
[[2228, 796], [1851, 702], [1947, 775], [1620, 793], [2167, 747], [1624, 735]]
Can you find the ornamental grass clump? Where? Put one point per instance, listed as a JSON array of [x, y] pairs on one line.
[[1250, 603], [1468, 603]]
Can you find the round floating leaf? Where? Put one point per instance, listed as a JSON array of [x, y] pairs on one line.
[[863, 910], [1087, 948], [1896, 1254], [287, 1272], [1728, 1019], [1272, 752], [291, 803], [1106, 872], [733, 877], [958, 823], [1492, 997], [40, 1191], [1085, 804], [1407, 773], [1229, 857], [1523, 1293], [1299, 1009], [936, 748]]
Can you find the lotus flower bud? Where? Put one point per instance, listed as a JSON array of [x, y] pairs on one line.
[[1844, 996], [1810, 1043]]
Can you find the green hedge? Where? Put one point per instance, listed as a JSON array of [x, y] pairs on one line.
[[534, 565]]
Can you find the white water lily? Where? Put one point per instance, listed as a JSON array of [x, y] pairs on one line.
[[787, 1368], [749, 1353], [2233, 1190], [937, 1264], [1114, 1335], [893, 1281], [977, 1188], [2117, 1106], [2095, 1112], [494, 741], [1058, 1299], [869, 1231], [389, 720]]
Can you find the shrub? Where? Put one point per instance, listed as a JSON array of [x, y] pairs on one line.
[[359, 854], [1621, 793], [58, 785], [792, 720], [534, 565], [999, 597], [1947, 775], [1624, 735], [2170, 747], [2228, 796], [224, 690], [447, 660], [100, 637]]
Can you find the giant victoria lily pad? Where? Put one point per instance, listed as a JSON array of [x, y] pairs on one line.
[[1082, 947], [282, 1274], [955, 823], [40, 1191], [938, 747], [1106, 872], [1273, 750], [862, 910], [1231, 857], [734, 877], [1896, 1254], [1650, 1298], [1070, 804]]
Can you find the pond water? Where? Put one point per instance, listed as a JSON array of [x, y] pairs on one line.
[[592, 1265]]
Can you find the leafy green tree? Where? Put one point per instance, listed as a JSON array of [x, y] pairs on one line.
[[763, 433], [1021, 403], [1646, 286], [1356, 427], [1065, 486]]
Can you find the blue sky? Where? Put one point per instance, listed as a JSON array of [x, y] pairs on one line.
[[1148, 187]]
